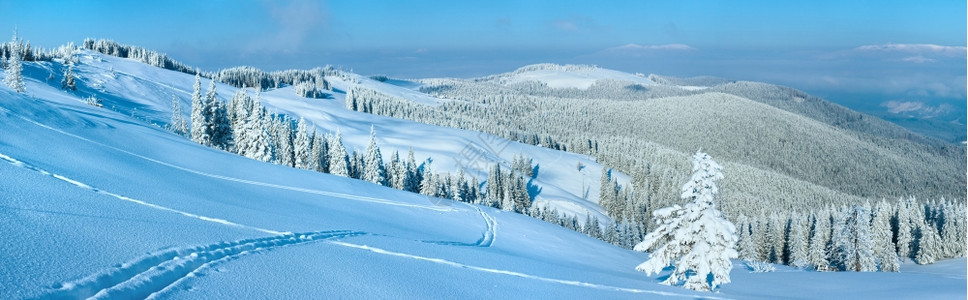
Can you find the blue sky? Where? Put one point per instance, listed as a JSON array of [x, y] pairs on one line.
[[869, 51]]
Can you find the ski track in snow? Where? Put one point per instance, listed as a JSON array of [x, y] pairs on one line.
[[518, 274], [246, 181], [156, 272], [487, 238], [82, 185]]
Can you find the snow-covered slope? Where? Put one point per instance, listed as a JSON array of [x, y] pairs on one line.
[[569, 76], [145, 91], [98, 203]]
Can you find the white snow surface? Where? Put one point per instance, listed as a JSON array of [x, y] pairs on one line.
[[98, 203], [580, 78]]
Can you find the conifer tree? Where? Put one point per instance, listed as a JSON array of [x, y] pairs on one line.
[[775, 238], [68, 82], [302, 146], [396, 172], [14, 76], [199, 118], [259, 144], [852, 240], [429, 185], [356, 164], [283, 137], [905, 228], [339, 163], [747, 250], [459, 187], [238, 112], [881, 233], [495, 188], [413, 176], [929, 245], [219, 125], [758, 235], [373, 170], [696, 239], [178, 125], [799, 242], [818, 255], [320, 153]]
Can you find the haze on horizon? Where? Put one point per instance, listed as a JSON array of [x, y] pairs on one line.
[[893, 57]]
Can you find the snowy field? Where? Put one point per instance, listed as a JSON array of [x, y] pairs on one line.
[[95, 202]]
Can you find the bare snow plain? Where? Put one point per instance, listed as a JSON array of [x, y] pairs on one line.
[[97, 202]]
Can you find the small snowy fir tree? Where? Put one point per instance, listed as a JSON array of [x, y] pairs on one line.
[[339, 163], [817, 253], [373, 162], [853, 242], [882, 235], [412, 173], [302, 145], [199, 116], [178, 124], [905, 228], [68, 82], [259, 140], [320, 153], [15, 78], [799, 241], [929, 245], [696, 239]]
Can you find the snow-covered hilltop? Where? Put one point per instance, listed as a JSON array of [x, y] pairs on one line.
[[98, 198]]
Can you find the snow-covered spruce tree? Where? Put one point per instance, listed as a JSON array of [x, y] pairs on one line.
[[199, 118], [696, 239], [396, 172], [459, 187], [320, 153], [817, 254], [606, 192], [429, 185], [775, 238], [178, 125], [339, 163], [929, 245], [14, 73], [852, 241], [302, 145], [905, 228], [356, 164], [881, 233], [799, 241], [259, 144], [68, 82], [953, 232], [747, 250], [414, 174], [507, 203], [238, 112], [758, 232], [282, 132], [373, 170], [219, 125], [495, 187]]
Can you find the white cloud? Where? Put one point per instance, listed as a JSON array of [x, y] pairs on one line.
[[568, 26], [916, 108], [577, 24], [920, 59], [295, 22], [952, 51], [636, 47]]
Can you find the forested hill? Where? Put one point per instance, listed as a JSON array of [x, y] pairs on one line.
[[800, 149]]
